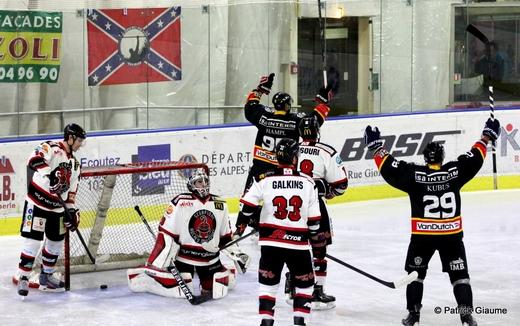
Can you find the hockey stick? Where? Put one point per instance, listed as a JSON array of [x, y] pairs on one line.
[[229, 244], [477, 33], [404, 281], [493, 144], [193, 299], [323, 46], [80, 236], [483, 38]]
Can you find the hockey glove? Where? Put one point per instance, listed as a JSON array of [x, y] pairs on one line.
[[72, 219], [324, 95], [491, 129], [240, 259], [373, 138], [59, 180], [323, 187], [266, 83]]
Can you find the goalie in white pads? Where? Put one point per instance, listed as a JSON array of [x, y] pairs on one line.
[[53, 171], [191, 222], [321, 162]]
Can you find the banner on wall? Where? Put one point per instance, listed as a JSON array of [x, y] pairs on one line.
[[227, 151], [30, 46], [127, 46]]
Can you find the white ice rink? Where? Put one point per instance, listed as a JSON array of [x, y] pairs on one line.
[[372, 236]]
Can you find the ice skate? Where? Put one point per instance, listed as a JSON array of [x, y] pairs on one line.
[[23, 286], [49, 283], [468, 320], [321, 300], [413, 317]]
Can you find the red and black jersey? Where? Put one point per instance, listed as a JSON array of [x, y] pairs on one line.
[[274, 125], [434, 193]]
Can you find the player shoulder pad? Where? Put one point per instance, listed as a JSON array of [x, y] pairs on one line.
[[264, 175], [183, 196], [327, 148]]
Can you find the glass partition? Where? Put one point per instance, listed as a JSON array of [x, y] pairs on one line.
[[125, 65]]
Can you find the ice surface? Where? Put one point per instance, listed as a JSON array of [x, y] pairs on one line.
[[371, 235]]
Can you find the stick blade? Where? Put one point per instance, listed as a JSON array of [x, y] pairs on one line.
[[407, 279]]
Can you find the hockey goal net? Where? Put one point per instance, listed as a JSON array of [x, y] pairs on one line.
[[111, 227]]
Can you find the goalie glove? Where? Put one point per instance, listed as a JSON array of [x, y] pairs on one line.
[[71, 219], [240, 259]]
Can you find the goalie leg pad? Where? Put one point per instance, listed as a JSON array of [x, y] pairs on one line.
[[159, 282], [232, 276], [221, 284]]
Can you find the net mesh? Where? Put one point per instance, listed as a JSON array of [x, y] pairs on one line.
[[110, 226]]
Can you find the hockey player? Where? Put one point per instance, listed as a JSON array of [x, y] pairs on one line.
[[53, 173], [321, 162], [434, 191], [289, 216], [276, 123], [191, 222]]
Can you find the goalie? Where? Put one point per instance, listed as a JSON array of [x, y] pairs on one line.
[[193, 223]]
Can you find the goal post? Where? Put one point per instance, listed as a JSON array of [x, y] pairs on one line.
[[113, 231]]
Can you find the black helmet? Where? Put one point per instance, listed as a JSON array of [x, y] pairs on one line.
[[309, 128], [433, 153], [286, 150], [282, 101], [74, 130]]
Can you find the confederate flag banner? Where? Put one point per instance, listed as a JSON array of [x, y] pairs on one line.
[[128, 46]]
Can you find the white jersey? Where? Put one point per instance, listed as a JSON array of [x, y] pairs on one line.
[[321, 161], [47, 157], [290, 208], [191, 222]]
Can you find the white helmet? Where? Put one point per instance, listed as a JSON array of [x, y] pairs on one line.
[[201, 189]]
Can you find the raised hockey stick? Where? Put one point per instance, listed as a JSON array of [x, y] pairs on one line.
[[323, 46], [493, 147], [477, 33], [193, 299], [80, 236], [404, 281]]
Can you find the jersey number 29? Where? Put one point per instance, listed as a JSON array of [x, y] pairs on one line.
[[440, 207]]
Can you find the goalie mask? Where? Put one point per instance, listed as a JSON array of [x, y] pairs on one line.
[[198, 184], [433, 153], [282, 101]]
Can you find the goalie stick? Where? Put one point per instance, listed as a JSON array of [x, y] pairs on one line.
[[193, 299], [394, 285]]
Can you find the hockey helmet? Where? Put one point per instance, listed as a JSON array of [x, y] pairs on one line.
[[286, 150], [309, 128], [75, 131], [433, 153], [198, 183], [282, 101]]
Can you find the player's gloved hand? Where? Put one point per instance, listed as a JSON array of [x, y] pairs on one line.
[[373, 138], [492, 129], [59, 180], [324, 95], [209, 247], [71, 219], [266, 83], [323, 187]]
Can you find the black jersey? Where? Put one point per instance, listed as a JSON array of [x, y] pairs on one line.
[[274, 125], [434, 194]]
